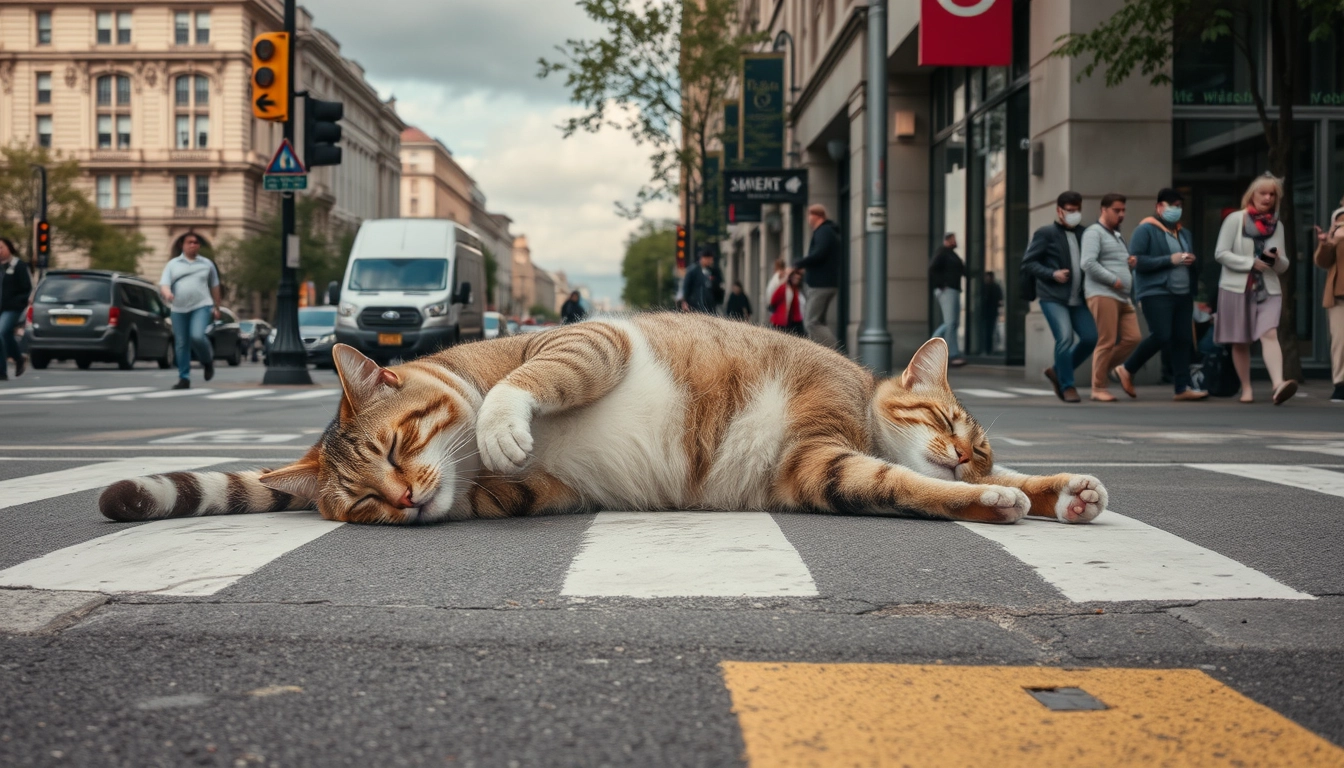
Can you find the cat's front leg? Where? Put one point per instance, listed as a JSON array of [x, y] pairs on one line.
[[504, 428], [1065, 497]]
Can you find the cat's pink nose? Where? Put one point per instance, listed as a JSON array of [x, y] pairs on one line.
[[405, 501], [963, 457]]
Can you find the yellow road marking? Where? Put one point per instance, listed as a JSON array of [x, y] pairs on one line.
[[905, 715]]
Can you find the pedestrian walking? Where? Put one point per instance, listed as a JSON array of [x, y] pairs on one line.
[[1250, 248], [1054, 260], [786, 305], [572, 310], [1330, 257], [190, 285], [16, 291], [991, 300], [1166, 273], [946, 273], [739, 306], [822, 275], [1107, 286], [780, 275], [702, 286]]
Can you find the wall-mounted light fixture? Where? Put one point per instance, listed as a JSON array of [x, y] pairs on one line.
[[905, 124]]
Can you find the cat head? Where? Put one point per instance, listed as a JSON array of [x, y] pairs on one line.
[[922, 425], [397, 450]]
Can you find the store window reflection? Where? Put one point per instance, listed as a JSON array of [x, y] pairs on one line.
[[949, 214]]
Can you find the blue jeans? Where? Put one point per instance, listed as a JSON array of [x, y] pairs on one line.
[[949, 302], [1169, 328], [189, 335], [9, 346], [1066, 321]]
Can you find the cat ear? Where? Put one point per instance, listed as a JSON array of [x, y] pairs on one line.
[[298, 479], [928, 368], [364, 381]]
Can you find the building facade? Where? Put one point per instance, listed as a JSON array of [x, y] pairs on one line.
[[154, 103], [435, 186], [984, 153], [532, 285]]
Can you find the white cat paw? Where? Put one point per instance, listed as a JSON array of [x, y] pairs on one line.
[[504, 429], [1081, 500], [1011, 503]]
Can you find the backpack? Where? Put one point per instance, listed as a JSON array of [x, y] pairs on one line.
[[1220, 378]]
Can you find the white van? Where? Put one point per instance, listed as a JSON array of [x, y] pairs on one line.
[[412, 287]]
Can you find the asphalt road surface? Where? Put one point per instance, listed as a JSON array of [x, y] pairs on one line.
[[1200, 620]]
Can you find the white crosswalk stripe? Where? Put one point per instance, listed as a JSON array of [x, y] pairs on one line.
[[310, 395], [167, 393], [7, 392], [89, 393], [650, 555], [241, 394], [988, 394]]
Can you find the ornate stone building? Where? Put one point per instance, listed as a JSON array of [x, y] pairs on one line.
[[153, 101]]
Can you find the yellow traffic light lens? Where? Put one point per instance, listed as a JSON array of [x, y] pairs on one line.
[[265, 50], [265, 77]]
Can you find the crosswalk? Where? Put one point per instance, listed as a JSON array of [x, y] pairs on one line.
[[646, 555], [67, 393]]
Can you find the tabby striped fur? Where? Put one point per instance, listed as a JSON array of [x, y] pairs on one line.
[[649, 412]]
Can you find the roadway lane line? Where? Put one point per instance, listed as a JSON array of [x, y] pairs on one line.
[[1031, 392], [6, 392], [192, 556], [91, 393], [1012, 441], [240, 394], [1292, 475], [687, 554], [307, 395], [164, 394], [1329, 449], [1117, 558], [24, 490], [989, 394]]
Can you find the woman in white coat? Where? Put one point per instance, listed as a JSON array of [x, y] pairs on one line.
[[1250, 248]]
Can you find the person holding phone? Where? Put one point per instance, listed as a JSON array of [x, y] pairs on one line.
[[1250, 248], [1166, 274], [1053, 259]]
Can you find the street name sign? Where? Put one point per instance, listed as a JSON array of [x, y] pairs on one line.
[[780, 185]]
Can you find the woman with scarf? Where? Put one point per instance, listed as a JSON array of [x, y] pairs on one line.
[[786, 305], [1250, 248]]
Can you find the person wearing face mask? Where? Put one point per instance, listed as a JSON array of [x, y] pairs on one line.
[[1054, 260], [1251, 250], [1165, 276]]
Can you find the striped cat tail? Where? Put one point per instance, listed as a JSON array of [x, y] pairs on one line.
[[193, 494]]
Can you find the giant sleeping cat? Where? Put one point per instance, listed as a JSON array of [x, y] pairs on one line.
[[646, 412]]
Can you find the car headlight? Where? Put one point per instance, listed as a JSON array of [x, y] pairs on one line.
[[346, 309], [330, 338], [437, 310]]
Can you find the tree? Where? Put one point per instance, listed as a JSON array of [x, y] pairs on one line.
[[543, 312], [252, 264], [76, 224], [658, 71], [650, 255], [1144, 34]]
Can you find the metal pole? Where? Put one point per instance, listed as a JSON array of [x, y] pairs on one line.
[[289, 361], [796, 210], [874, 338], [41, 172]]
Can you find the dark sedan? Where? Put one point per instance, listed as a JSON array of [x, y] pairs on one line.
[[317, 331]]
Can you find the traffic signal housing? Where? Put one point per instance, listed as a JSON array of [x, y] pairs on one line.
[[270, 76], [42, 230], [320, 131], [681, 247]]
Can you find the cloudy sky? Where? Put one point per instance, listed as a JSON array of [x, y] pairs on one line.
[[464, 71]]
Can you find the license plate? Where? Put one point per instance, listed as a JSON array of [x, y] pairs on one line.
[[389, 339], [69, 320]]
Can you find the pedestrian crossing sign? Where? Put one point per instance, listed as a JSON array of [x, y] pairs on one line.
[[285, 162]]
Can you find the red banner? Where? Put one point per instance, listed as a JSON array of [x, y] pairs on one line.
[[966, 33]]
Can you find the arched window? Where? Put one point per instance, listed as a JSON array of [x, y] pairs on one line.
[[114, 112], [192, 105]]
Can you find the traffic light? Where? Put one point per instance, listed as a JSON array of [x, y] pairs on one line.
[[681, 247], [43, 250], [270, 76], [320, 131]]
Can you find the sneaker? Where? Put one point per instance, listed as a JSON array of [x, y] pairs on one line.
[[1070, 395], [1191, 394], [1054, 381], [20, 366], [182, 384], [1338, 395], [957, 362], [1285, 391], [209, 370]]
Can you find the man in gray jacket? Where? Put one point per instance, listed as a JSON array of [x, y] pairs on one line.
[[1105, 260]]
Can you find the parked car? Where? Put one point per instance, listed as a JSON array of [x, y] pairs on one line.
[[513, 327], [534, 328], [496, 326], [254, 337], [317, 331], [89, 315], [225, 336]]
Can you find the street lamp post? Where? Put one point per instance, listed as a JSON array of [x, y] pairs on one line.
[[874, 338], [795, 155]]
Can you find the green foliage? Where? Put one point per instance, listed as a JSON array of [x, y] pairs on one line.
[[252, 263], [658, 71], [491, 272], [648, 266], [543, 312], [76, 224]]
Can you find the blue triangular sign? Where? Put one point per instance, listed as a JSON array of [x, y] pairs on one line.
[[285, 162]]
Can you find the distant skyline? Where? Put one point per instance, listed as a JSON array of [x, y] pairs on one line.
[[465, 73]]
